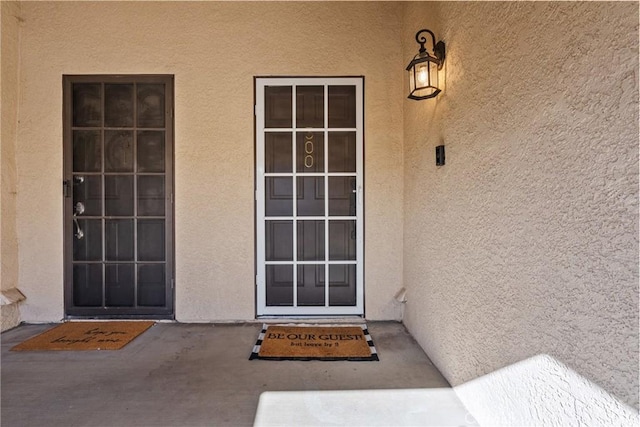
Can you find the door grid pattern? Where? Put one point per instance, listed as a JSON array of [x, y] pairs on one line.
[[309, 196], [118, 195]]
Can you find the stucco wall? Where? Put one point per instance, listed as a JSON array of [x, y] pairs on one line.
[[526, 241], [540, 391], [9, 110], [8, 177], [214, 49]]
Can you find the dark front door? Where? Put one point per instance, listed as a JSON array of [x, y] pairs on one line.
[[118, 196]]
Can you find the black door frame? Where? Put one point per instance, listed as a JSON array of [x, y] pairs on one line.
[[71, 311]]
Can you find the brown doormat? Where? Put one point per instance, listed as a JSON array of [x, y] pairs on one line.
[[85, 336], [313, 342]]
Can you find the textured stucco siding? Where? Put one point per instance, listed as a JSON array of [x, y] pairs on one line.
[[526, 241], [8, 177], [214, 49], [541, 391]]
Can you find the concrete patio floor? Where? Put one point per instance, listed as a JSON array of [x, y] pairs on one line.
[[192, 375]]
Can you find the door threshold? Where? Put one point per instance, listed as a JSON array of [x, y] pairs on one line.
[[311, 319], [99, 320]]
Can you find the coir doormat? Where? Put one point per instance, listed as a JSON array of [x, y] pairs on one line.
[[85, 336], [312, 342]]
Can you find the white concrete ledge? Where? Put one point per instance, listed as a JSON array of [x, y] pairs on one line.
[[403, 407], [9, 311], [539, 391], [11, 296]]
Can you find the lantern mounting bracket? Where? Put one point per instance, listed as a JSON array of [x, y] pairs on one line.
[[438, 48]]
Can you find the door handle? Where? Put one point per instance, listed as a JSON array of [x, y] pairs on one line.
[[79, 233], [78, 209]]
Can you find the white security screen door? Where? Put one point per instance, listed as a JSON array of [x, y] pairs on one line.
[[309, 192]]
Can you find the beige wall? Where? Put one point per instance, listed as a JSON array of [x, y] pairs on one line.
[[214, 49], [9, 110], [8, 178], [526, 241]]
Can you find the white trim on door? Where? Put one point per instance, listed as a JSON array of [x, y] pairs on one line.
[[262, 309]]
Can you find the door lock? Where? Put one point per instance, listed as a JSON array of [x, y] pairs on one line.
[[78, 209]]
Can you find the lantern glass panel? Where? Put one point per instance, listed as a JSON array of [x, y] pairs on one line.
[[412, 80], [422, 74], [433, 74]]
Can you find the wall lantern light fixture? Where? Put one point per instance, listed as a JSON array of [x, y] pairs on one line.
[[423, 68]]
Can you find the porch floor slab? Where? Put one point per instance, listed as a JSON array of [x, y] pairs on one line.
[[196, 375]]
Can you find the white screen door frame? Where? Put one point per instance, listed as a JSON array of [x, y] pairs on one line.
[[329, 225]]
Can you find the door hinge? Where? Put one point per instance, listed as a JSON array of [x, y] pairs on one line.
[[171, 198], [173, 283], [65, 188]]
